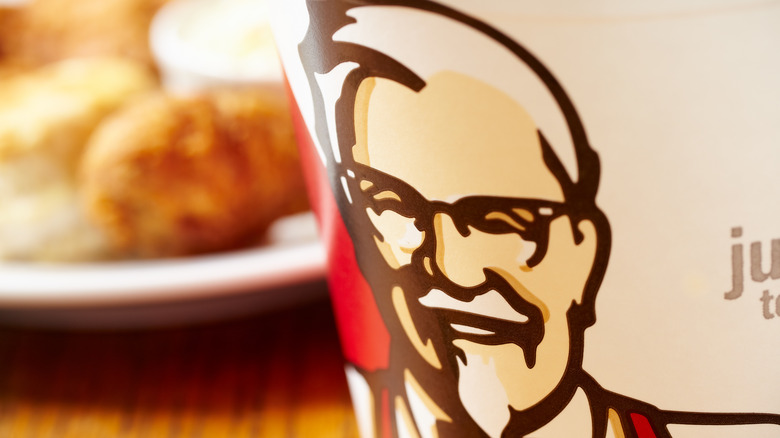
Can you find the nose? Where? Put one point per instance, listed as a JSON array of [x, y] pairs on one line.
[[462, 259]]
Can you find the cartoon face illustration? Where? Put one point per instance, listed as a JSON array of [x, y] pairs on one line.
[[469, 196], [485, 232]]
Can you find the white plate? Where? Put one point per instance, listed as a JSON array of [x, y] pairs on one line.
[[288, 270]]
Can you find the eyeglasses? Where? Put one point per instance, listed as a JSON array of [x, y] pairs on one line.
[[528, 218]]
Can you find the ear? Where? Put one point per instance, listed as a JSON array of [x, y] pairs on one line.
[[583, 256]]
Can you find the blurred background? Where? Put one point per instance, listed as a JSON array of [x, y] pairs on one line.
[[140, 129], [144, 142]]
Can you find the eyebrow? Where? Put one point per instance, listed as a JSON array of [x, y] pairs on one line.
[[527, 215], [391, 187], [387, 194], [497, 215], [376, 183]]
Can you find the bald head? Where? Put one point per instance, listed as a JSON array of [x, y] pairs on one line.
[[457, 137]]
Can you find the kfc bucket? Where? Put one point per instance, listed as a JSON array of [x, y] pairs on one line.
[[547, 220]]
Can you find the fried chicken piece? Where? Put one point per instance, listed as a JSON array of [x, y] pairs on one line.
[[11, 68], [260, 121], [46, 117], [10, 64], [44, 31], [172, 176], [53, 110], [7, 20]]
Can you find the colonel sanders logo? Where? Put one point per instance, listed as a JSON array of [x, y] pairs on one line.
[[469, 193]]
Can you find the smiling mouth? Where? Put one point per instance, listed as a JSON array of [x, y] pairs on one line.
[[493, 313], [487, 315]]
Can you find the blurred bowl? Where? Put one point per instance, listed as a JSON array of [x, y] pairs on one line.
[[202, 44]]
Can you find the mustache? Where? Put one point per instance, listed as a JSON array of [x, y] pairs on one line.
[[527, 333]]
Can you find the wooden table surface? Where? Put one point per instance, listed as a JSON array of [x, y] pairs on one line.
[[275, 374]]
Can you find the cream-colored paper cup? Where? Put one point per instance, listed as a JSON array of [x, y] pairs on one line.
[[547, 219]]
